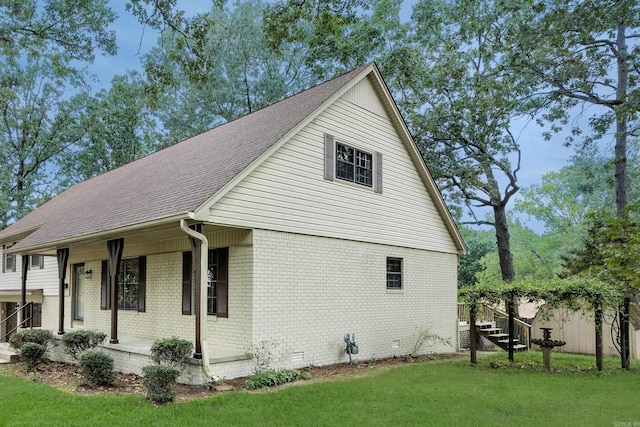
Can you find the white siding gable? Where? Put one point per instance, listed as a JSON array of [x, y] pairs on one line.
[[288, 192]]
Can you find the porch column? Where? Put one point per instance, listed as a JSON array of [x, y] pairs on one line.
[[114, 247], [197, 282], [23, 289], [63, 258]]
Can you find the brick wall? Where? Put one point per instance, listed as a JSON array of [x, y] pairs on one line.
[[310, 291]]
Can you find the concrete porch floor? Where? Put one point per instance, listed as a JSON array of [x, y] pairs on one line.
[[139, 345]]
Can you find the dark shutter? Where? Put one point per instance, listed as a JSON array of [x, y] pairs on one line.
[[223, 283], [329, 157], [378, 183], [41, 259], [187, 267], [142, 284], [4, 259], [105, 294]]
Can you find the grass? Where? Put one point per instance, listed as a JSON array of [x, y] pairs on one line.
[[447, 392]]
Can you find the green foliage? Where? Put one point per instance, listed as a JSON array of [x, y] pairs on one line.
[[76, 342], [38, 336], [159, 382], [72, 30], [96, 367], [171, 351], [32, 355], [479, 244], [272, 377]]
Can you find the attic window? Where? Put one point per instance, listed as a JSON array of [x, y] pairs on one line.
[[354, 165], [347, 163]]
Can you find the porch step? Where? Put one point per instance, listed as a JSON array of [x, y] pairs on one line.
[[8, 356]]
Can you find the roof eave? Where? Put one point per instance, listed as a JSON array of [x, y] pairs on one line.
[[40, 248]]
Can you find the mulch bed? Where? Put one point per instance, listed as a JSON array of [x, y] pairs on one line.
[[65, 377]]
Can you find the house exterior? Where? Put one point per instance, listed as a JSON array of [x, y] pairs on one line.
[[317, 217]]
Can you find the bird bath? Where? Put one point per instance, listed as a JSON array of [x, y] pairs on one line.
[[546, 345]]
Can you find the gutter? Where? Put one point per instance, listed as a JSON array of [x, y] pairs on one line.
[[204, 250]]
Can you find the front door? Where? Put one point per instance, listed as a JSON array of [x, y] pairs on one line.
[[78, 292], [12, 323]]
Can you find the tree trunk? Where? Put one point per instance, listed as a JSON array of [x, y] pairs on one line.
[[621, 171], [502, 241]]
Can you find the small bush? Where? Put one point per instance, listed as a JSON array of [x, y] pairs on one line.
[[97, 367], [171, 351], [78, 341], [271, 377], [159, 382], [38, 336], [32, 354]]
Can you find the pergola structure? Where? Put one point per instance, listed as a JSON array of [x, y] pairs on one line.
[[573, 293]]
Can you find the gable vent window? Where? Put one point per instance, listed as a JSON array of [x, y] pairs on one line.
[[354, 165]]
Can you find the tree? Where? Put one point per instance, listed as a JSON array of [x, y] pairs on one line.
[[37, 123], [66, 29], [239, 73], [119, 128], [535, 257], [578, 51], [479, 244], [461, 107]]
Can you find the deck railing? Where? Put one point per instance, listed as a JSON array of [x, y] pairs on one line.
[[27, 315], [486, 313]]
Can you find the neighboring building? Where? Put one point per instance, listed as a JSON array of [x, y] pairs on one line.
[[577, 329], [321, 219], [42, 273]]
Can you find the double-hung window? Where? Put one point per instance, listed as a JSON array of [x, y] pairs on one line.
[[394, 273], [217, 282], [128, 282], [8, 261], [132, 285], [354, 165]]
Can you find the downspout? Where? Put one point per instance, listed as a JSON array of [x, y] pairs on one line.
[[204, 250]]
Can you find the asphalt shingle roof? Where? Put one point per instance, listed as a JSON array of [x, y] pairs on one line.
[[172, 181]]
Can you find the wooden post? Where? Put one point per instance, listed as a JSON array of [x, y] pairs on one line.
[[114, 247], [197, 282], [473, 309], [598, 326], [63, 258], [512, 326], [23, 291]]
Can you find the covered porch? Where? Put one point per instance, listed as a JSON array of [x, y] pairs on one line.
[[132, 353]]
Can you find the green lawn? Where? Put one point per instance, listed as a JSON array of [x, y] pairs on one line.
[[448, 393]]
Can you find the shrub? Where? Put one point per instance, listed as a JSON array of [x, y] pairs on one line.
[[97, 367], [159, 382], [171, 351], [271, 377], [78, 341], [38, 336], [32, 354]]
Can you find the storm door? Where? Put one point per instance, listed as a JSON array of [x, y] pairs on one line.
[[78, 292]]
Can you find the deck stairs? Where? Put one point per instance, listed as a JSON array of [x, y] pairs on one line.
[[498, 337]]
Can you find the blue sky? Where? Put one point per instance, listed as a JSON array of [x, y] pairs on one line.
[[538, 156]]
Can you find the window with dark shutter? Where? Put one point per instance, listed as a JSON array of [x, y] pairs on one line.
[[223, 282], [105, 289], [187, 280], [142, 284], [329, 156], [218, 282], [378, 170]]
